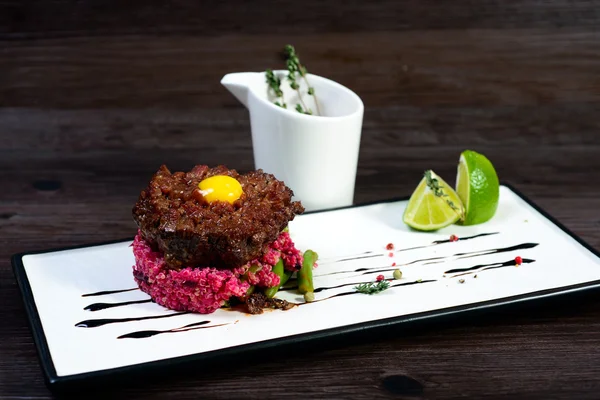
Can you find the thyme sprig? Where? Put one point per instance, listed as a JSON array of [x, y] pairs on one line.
[[294, 67], [372, 287], [296, 71], [438, 191], [275, 85]]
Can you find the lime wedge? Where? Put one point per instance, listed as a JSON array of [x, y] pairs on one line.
[[478, 187], [433, 205]]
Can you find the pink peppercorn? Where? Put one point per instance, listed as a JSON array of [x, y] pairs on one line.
[[518, 260], [393, 264], [390, 246], [453, 238], [380, 278]]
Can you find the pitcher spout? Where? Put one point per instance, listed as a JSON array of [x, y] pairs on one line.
[[240, 84]]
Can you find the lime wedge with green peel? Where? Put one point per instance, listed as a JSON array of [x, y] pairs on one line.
[[478, 187], [433, 205]]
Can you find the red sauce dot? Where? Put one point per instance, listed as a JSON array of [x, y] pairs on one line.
[[393, 264], [391, 254], [453, 238], [380, 278], [390, 246]]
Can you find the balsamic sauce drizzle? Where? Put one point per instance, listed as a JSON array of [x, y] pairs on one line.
[[93, 323], [355, 292], [367, 254], [317, 290], [437, 260], [371, 254], [466, 237], [104, 306], [108, 292], [522, 246], [483, 267], [472, 254], [185, 328]]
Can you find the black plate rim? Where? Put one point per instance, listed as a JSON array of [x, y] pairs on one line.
[[53, 381]]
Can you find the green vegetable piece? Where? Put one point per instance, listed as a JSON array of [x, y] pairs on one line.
[[253, 269], [305, 277], [286, 276], [309, 297], [278, 270], [250, 290]]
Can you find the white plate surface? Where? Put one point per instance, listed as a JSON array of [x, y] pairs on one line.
[[343, 238]]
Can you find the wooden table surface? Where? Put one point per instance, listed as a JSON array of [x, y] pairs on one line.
[[95, 95]]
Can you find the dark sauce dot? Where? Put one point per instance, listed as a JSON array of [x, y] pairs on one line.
[[402, 385], [7, 215], [47, 185]]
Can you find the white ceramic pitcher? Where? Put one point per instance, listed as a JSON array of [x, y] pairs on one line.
[[316, 156]]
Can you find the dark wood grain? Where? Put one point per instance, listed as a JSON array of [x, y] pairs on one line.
[[39, 18], [95, 95]]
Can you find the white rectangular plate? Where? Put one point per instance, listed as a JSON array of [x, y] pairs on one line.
[[440, 277]]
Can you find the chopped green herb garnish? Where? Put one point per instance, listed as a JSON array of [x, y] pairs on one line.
[[372, 287]]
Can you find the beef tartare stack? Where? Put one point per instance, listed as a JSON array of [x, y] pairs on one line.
[[212, 235]]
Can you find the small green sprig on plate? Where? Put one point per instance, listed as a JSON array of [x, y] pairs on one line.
[[372, 287]]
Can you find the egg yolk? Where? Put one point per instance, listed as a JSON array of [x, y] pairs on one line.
[[220, 188]]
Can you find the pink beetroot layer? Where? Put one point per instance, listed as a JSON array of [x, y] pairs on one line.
[[204, 290]]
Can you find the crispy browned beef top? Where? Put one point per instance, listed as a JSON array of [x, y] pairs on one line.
[[173, 216]]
